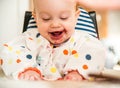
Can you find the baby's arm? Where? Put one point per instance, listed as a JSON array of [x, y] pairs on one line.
[[100, 4], [15, 57], [89, 56]]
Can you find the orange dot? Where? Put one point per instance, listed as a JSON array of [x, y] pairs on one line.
[[65, 52], [30, 38], [1, 61], [85, 67], [5, 45], [74, 52], [18, 60]]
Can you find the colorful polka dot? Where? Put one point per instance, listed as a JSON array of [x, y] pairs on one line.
[[10, 61], [30, 38], [18, 52], [38, 40], [76, 55], [85, 67], [38, 34], [39, 64], [10, 48], [88, 57], [74, 52], [23, 46], [5, 45], [18, 60], [29, 56], [72, 40], [53, 70], [74, 43], [1, 61], [65, 52]]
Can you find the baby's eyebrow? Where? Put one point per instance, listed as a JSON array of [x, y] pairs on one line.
[[65, 14], [67, 11], [44, 14]]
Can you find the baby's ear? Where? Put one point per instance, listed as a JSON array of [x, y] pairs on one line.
[[33, 14], [77, 13]]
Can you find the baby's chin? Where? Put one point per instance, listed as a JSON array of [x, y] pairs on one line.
[[58, 43]]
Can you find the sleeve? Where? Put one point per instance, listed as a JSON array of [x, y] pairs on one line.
[[87, 57], [15, 56]]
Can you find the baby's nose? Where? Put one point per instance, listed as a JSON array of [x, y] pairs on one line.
[[55, 24]]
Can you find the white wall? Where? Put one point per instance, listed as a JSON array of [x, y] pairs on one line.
[[114, 23], [11, 18], [113, 38], [114, 29]]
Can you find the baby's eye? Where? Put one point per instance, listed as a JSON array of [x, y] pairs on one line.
[[45, 19], [64, 18]]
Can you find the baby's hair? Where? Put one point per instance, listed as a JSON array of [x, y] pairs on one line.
[[77, 6]]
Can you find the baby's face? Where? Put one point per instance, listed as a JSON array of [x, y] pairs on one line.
[[56, 19]]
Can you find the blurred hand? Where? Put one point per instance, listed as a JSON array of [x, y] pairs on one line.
[[30, 74], [73, 75]]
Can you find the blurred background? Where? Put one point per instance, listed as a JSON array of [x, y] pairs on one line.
[[12, 17]]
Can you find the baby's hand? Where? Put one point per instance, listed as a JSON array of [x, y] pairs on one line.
[[74, 76], [30, 74]]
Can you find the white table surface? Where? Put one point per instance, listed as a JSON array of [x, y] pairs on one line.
[[58, 84], [7, 83]]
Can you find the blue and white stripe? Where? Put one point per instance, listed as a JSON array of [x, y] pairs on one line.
[[32, 23], [85, 23]]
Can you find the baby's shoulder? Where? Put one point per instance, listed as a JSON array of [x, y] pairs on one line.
[[84, 37], [82, 34]]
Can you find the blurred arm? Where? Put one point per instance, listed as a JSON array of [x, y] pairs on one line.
[[100, 4]]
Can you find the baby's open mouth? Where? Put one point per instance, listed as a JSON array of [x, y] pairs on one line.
[[57, 33]]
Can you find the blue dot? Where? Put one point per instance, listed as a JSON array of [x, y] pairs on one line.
[[23, 46], [29, 56], [39, 64], [88, 57], [38, 34]]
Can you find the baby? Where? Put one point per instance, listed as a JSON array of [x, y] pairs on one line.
[[54, 50]]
